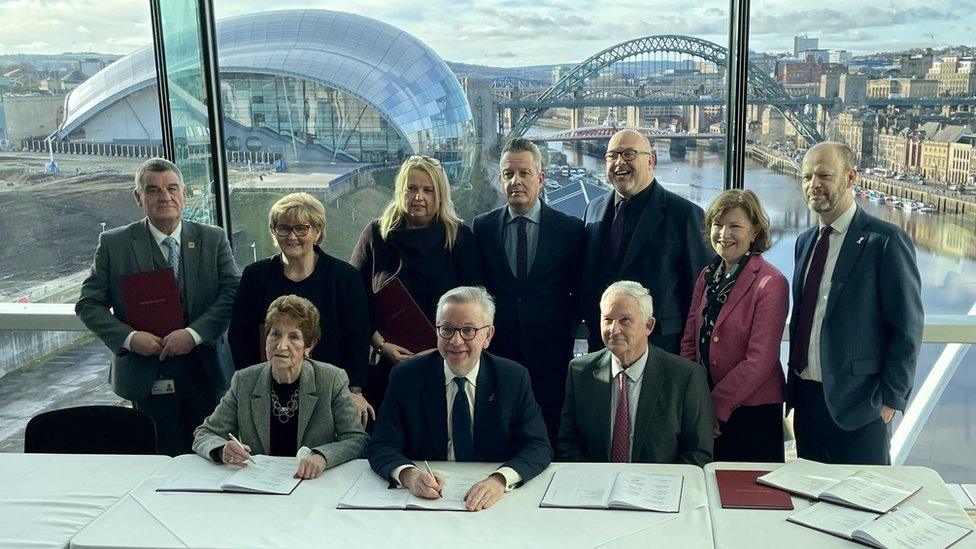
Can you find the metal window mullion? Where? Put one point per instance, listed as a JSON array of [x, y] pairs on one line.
[[737, 89], [215, 119], [162, 80]]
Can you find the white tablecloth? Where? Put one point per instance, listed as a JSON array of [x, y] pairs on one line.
[[760, 529], [45, 499], [308, 517]]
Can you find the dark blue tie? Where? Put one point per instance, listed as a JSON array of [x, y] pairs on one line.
[[461, 424]]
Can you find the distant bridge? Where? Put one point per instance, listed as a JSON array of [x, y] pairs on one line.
[[605, 132]]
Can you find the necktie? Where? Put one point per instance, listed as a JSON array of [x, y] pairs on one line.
[[174, 254], [617, 230], [522, 250], [800, 346], [461, 424], [620, 443]]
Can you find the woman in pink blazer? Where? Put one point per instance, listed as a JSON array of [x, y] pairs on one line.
[[734, 329]]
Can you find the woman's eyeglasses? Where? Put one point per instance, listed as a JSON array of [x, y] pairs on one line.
[[419, 157], [284, 230]]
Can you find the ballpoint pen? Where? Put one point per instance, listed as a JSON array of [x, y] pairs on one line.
[[232, 437], [431, 473]]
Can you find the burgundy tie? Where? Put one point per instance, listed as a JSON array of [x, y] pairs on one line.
[[620, 444], [800, 346]]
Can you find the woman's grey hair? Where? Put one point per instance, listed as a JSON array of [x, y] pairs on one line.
[[468, 294], [634, 290]]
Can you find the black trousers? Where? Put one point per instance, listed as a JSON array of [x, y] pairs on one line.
[[819, 438], [178, 414], [752, 433]]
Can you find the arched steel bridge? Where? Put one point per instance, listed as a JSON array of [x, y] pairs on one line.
[[762, 87], [605, 132]]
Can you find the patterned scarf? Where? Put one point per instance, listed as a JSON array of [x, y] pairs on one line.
[[719, 285]]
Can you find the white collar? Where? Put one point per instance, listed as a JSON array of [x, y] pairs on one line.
[[842, 223], [159, 236], [634, 371], [471, 376]]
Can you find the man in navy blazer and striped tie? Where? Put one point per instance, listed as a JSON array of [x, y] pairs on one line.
[[856, 325]]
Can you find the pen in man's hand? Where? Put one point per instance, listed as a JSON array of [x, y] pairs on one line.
[[232, 437], [431, 473]]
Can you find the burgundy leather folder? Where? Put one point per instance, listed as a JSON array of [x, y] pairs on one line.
[[152, 302], [399, 320], [739, 490]]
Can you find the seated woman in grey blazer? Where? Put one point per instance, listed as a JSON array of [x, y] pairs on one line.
[[288, 406]]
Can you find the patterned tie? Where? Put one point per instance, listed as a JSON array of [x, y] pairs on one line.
[[174, 254], [461, 424], [522, 250], [620, 444], [617, 230], [800, 346]]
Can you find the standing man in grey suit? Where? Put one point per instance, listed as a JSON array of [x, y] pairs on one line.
[[643, 232], [531, 255], [175, 379], [856, 325], [633, 402]]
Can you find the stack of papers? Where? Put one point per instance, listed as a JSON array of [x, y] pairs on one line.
[[904, 528], [267, 475], [865, 490], [586, 489]]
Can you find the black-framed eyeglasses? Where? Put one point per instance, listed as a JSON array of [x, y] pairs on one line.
[[628, 154], [467, 332], [284, 230], [419, 157]]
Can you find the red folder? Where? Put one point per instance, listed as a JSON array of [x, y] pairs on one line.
[[152, 302], [739, 490], [398, 318]]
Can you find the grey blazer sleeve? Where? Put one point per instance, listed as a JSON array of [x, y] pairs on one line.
[[215, 320], [213, 432], [96, 299], [350, 438]]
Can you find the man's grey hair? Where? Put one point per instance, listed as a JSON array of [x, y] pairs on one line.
[[634, 290], [154, 165], [518, 145], [468, 294]]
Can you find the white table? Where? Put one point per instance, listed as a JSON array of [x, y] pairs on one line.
[[765, 528], [46, 498], [308, 517]]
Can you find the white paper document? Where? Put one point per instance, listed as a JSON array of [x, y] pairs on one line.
[[267, 475], [583, 489], [866, 489], [906, 528], [373, 492]]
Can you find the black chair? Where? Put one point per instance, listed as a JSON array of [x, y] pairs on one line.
[[91, 430]]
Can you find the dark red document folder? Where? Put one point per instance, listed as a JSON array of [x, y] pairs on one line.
[[399, 320], [152, 302], [739, 490]]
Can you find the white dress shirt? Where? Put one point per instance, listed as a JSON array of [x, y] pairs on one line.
[[635, 378], [512, 478], [839, 230], [159, 236]]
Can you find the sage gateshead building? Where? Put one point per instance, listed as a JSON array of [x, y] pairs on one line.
[[312, 85]]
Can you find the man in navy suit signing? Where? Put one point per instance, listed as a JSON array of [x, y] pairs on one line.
[[460, 404], [856, 325], [530, 254]]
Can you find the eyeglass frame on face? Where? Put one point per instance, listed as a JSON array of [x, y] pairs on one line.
[[299, 230], [627, 154], [460, 331], [417, 157]]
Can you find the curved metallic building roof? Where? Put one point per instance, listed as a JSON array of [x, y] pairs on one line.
[[382, 65]]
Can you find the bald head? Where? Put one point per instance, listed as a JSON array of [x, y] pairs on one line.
[[843, 153], [828, 180], [630, 177]]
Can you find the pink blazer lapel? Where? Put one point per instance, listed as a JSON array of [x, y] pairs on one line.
[[742, 286]]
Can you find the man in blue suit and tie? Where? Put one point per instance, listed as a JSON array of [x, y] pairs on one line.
[[531, 258], [460, 404], [643, 232], [857, 319]]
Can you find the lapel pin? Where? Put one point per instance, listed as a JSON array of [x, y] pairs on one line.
[[491, 397], [191, 244], [859, 240]]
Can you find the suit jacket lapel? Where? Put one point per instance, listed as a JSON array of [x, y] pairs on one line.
[[599, 214], [650, 218], [261, 408], [652, 384], [306, 399], [190, 250], [142, 243], [434, 402], [806, 240], [484, 407], [600, 397], [850, 250], [498, 241], [746, 278], [545, 236]]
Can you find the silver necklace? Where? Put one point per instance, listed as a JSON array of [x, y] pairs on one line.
[[286, 412]]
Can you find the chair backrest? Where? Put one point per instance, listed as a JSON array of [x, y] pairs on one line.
[[91, 430]]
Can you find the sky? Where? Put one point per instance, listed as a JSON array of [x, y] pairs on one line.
[[510, 33]]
